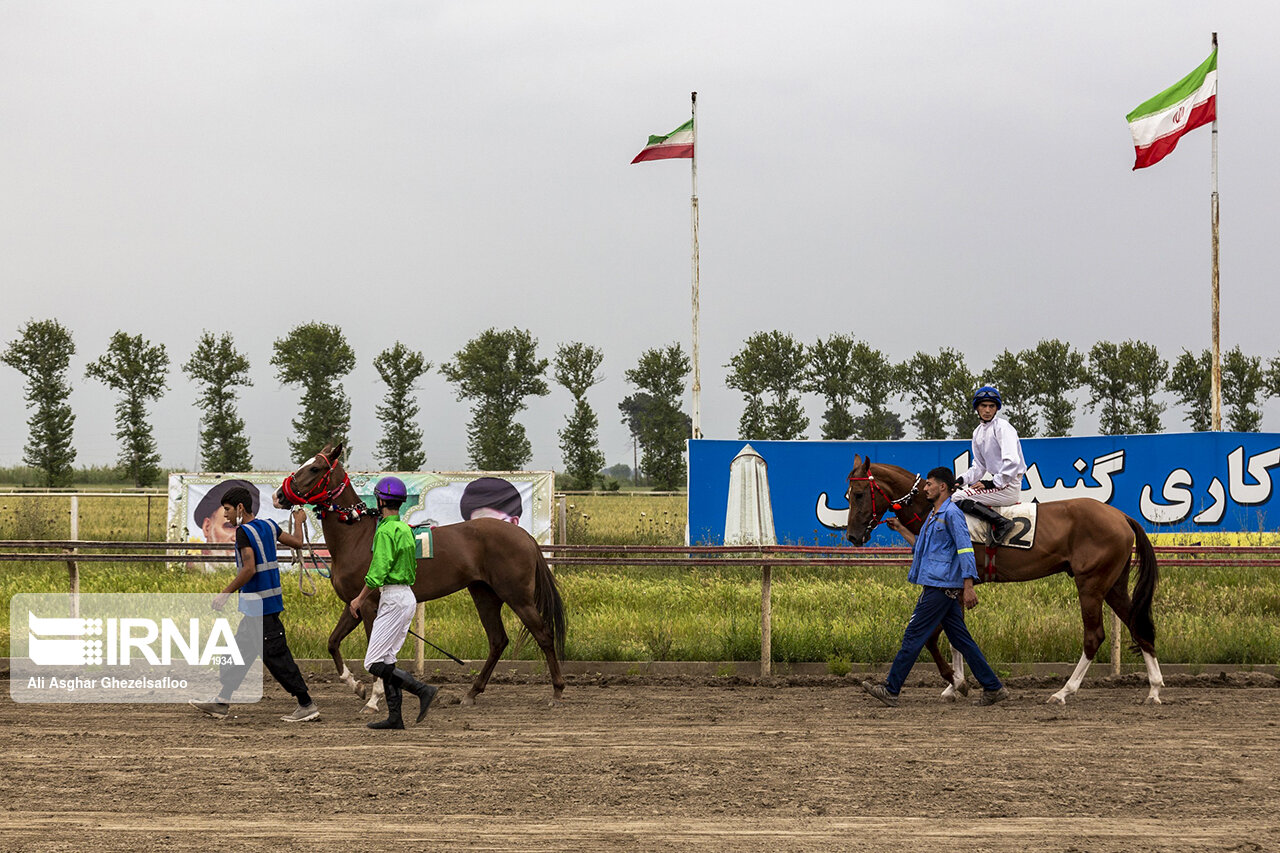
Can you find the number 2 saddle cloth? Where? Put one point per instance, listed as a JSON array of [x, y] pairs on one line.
[[1022, 534]]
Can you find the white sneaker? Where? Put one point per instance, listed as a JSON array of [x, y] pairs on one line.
[[217, 710], [302, 714]]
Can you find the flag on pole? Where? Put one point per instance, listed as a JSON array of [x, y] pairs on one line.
[[1157, 124], [678, 144]]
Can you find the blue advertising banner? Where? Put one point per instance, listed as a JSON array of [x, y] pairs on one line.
[[1176, 482]]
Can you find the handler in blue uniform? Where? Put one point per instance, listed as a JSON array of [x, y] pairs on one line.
[[942, 563]]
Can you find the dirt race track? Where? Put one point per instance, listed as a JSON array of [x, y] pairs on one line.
[[664, 764]]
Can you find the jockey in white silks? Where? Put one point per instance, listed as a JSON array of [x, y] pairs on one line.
[[995, 477]]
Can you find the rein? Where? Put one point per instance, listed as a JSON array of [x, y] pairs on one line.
[[895, 505]]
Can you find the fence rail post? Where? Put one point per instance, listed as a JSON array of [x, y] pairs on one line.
[[73, 570], [766, 621]]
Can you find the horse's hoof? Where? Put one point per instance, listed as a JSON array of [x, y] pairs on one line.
[[1055, 699], [1152, 700], [365, 709], [467, 701], [963, 688], [362, 690]]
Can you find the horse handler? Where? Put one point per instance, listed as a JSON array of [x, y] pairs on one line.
[[392, 569], [942, 563]]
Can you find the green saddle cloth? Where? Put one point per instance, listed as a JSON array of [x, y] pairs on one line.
[[423, 542]]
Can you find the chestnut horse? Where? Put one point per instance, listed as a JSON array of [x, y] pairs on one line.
[[1083, 537], [497, 562]]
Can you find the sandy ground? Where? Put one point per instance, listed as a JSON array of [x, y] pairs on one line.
[[658, 764]]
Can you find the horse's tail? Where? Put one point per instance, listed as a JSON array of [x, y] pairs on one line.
[[1141, 625], [550, 606]]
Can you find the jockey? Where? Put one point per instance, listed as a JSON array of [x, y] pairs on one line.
[[995, 477]]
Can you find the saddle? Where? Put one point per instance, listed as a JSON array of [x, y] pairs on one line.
[[1021, 535]]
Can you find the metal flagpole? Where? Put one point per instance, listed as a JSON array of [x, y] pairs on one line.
[[693, 202], [1216, 384]]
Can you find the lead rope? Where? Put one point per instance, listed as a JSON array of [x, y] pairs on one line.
[[321, 566]]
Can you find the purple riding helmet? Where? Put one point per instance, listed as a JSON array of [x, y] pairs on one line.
[[391, 489]]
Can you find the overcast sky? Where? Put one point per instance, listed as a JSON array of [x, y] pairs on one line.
[[916, 174]]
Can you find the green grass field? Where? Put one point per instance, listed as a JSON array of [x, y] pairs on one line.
[[837, 615]]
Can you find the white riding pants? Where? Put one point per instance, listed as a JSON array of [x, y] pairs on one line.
[[391, 625], [1008, 496]]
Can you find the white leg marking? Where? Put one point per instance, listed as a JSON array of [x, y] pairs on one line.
[[957, 665], [950, 695], [348, 679], [374, 696], [1073, 683], [1154, 677]]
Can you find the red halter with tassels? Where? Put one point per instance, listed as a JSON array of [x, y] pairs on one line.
[[894, 505], [322, 491]]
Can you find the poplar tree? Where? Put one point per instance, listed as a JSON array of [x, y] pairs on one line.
[[42, 354], [1057, 370], [315, 357], [1009, 374], [220, 369], [1243, 384], [773, 363], [1191, 382], [136, 369], [831, 375], [498, 370], [655, 417], [400, 448], [576, 368], [939, 388]]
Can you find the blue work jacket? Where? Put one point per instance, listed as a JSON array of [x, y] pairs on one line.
[[943, 554]]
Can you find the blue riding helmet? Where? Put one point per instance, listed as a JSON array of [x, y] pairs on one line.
[[987, 392], [391, 489]]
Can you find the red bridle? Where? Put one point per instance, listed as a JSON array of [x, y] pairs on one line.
[[894, 505], [322, 491]]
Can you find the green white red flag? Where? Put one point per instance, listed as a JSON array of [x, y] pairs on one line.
[[1158, 123], [675, 145]]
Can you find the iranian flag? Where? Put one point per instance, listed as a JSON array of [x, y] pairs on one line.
[[675, 145], [1160, 122]]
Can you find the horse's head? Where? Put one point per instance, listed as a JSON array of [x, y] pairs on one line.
[[864, 509], [320, 478]]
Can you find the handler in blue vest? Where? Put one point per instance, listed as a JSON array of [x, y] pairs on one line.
[[261, 602], [392, 571], [942, 563]]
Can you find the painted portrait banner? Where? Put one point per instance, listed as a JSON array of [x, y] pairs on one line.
[[436, 498], [1170, 483]]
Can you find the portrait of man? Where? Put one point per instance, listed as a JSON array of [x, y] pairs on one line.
[[210, 517]]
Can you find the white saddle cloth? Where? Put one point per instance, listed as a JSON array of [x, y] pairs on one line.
[[1021, 535]]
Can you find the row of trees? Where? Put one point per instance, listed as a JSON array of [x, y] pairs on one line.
[[497, 371], [1041, 387]]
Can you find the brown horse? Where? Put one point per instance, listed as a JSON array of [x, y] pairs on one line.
[[1083, 537], [497, 562]]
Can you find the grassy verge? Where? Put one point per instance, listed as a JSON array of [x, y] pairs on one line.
[[641, 613], [820, 614]]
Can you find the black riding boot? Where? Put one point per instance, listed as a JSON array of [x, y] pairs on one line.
[[999, 524], [392, 690], [424, 692]]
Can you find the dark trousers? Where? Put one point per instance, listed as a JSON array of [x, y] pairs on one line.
[[275, 654], [933, 607]]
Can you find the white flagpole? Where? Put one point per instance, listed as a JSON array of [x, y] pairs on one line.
[[697, 375], [1216, 389]]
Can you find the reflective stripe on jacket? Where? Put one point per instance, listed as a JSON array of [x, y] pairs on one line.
[[943, 554]]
